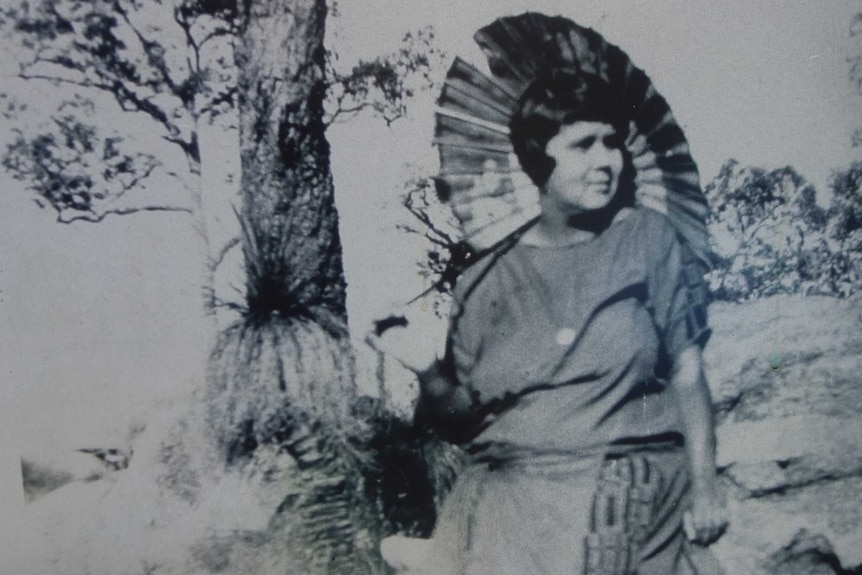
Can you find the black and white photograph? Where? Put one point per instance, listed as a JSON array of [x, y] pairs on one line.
[[378, 287]]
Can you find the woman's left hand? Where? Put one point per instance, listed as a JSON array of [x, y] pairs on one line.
[[414, 336], [707, 519]]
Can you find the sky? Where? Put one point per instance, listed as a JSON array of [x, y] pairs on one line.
[[764, 81], [92, 318]]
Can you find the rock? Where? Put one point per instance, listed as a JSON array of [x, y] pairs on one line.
[[47, 470], [782, 453], [816, 343], [175, 510], [784, 372], [806, 554], [764, 529]]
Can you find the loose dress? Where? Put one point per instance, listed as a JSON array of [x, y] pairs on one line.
[[578, 463]]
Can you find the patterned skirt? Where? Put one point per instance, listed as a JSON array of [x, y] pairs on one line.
[[605, 514]]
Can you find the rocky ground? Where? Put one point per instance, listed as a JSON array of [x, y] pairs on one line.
[[785, 378]]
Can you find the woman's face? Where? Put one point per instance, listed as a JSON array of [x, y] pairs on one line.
[[589, 161]]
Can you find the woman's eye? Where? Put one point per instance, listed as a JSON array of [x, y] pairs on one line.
[[584, 144]]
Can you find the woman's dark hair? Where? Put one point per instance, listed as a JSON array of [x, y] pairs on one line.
[[556, 98]]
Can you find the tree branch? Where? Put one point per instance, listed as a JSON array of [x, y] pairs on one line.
[[190, 40], [124, 95], [339, 111], [80, 83], [138, 178], [217, 33], [155, 59], [442, 238], [96, 218], [180, 179], [225, 97], [216, 261]]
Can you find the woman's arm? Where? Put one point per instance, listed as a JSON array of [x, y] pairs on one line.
[[444, 404], [418, 344], [707, 518]]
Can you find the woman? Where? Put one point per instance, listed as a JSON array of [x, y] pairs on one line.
[[573, 370]]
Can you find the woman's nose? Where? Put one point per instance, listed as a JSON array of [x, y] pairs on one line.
[[604, 155]]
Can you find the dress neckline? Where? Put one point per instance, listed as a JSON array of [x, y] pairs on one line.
[[623, 215]]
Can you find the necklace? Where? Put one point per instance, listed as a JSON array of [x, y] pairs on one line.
[[537, 239], [592, 227], [547, 268], [565, 336]]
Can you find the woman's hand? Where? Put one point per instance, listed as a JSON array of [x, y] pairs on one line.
[[415, 337], [707, 519]]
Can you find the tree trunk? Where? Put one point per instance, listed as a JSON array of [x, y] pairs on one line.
[[294, 250], [295, 287], [283, 375]]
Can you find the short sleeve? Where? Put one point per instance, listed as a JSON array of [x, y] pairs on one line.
[[678, 294], [462, 346]]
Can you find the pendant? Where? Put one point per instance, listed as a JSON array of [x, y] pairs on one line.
[[565, 336]]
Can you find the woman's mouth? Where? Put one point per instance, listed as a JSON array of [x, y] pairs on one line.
[[603, 185]]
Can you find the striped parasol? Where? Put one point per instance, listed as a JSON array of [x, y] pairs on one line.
[[480, 177]]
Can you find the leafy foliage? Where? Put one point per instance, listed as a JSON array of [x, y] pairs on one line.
[[846, 187], [446, 255], [411, 474], [845, 227], [855, 61], [170, 63], [359, 473], [385, 84], [151, 58], [769, 235], [435, 222], [76, 169]]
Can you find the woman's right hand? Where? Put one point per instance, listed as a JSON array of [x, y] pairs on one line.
[[707, 519], [416, 338]]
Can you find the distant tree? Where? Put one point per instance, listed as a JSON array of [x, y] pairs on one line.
[[768, 234], [845, 228], [855, 61], [845, 214]]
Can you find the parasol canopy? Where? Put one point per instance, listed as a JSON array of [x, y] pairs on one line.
[[480, 177]]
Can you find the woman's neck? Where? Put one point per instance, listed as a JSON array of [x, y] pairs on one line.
[[548, 233], [556, 229]]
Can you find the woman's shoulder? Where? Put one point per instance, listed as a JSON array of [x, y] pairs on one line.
[[651, 228], [650, 221], [471, 277]]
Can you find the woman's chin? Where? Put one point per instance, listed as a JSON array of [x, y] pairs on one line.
[[592, 206]]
